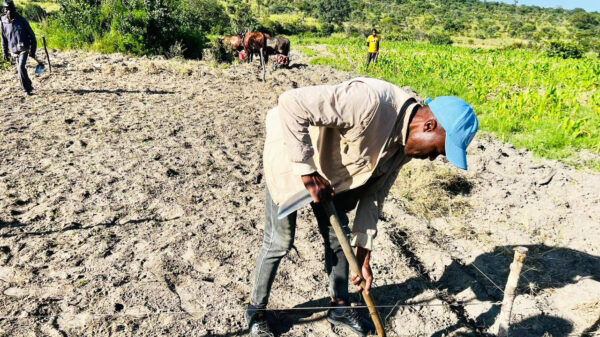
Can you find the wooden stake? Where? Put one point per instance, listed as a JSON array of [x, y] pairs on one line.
[[46, 50], [335, 223], [262, 63], [509, 291]]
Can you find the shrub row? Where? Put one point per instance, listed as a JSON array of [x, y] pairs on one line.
[[141, 27]]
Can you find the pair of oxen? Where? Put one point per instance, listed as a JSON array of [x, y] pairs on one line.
[[259, 43]]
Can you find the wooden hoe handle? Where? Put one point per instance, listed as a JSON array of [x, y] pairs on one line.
[[335, 223]]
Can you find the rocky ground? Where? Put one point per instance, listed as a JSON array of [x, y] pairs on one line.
[[131, 203]]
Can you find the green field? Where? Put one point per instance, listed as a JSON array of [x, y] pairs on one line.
[[50, 6], [548, 105]]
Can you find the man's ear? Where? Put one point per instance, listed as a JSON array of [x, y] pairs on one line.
[[430, 125]]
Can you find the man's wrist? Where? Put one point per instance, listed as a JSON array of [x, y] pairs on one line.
[[363, 255]]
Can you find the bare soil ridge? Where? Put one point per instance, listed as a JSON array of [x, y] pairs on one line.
[[131, 203]]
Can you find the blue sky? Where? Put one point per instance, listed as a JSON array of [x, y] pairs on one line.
[[588, 5]]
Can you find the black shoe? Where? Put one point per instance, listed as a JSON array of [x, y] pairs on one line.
[[350, 318], [257, 322]]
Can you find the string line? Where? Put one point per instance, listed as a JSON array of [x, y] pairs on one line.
[[487, 277], [238, 310]]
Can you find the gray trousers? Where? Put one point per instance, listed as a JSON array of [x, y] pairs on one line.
[[279, 239], [21, 60], [371, 57]]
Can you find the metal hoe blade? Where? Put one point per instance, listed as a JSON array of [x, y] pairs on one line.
[[293, 204], [40, 69]]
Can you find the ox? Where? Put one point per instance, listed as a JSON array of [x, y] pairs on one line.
[[278, 45], [233, 41], [255, 43]]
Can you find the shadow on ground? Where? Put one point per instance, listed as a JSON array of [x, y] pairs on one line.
[[117, 92], [545, 267]]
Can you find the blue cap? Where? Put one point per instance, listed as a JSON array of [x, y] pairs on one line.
[[459, 121]]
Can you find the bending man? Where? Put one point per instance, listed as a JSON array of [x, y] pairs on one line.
[[346, 143]]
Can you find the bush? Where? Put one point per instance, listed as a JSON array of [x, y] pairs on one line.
[[400, 36], [147, 27], [326, 29], [334, 11], [516, 45], [273, 27], [439, 38], [566, 50], [243, 19], [83, 20], [351, 30], [150, 27], [290, 26], [220, 53], [34, 13], [206, 15]]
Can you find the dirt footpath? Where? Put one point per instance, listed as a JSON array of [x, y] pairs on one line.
[[131, 204]]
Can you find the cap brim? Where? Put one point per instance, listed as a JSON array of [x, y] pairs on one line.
[[456, 155]]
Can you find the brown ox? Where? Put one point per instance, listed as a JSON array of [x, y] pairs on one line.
[[255, 43], [278, 45], [233, 41]]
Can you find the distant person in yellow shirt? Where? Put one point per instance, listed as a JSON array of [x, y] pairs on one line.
[[373, 43]]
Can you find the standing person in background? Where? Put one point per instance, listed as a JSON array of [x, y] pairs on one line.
[[373, 43], [18, 39]]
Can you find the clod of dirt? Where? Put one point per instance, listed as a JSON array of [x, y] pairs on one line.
[[172, 173]]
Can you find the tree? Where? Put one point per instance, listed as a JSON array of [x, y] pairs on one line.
[[334, 11], [243, 19], [208, 15], [583, 20]]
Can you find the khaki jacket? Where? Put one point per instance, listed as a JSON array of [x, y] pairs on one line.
[[343, 132]]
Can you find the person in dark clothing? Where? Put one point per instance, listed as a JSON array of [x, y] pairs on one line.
[[18, 41]]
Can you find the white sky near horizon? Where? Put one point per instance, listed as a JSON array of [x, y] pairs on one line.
[[588, 5]]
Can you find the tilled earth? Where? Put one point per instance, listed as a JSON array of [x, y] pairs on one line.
[[131, 203]]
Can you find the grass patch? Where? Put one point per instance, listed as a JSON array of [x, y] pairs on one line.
[[308, 51], [431, 191], [48, 6]]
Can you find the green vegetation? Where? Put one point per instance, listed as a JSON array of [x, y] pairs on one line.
[[149, 27], [549, 105], [130, 25], [34, 12], [566, 50], [435, 20]]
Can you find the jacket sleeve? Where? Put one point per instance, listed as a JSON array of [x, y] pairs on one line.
[[370, 205], [364, 228], [32, 38], [4, 43], [344, 106]]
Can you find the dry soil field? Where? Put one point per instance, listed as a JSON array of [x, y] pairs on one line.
[[131, 204]]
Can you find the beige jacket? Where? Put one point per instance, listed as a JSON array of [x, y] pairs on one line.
[[343, 132]]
